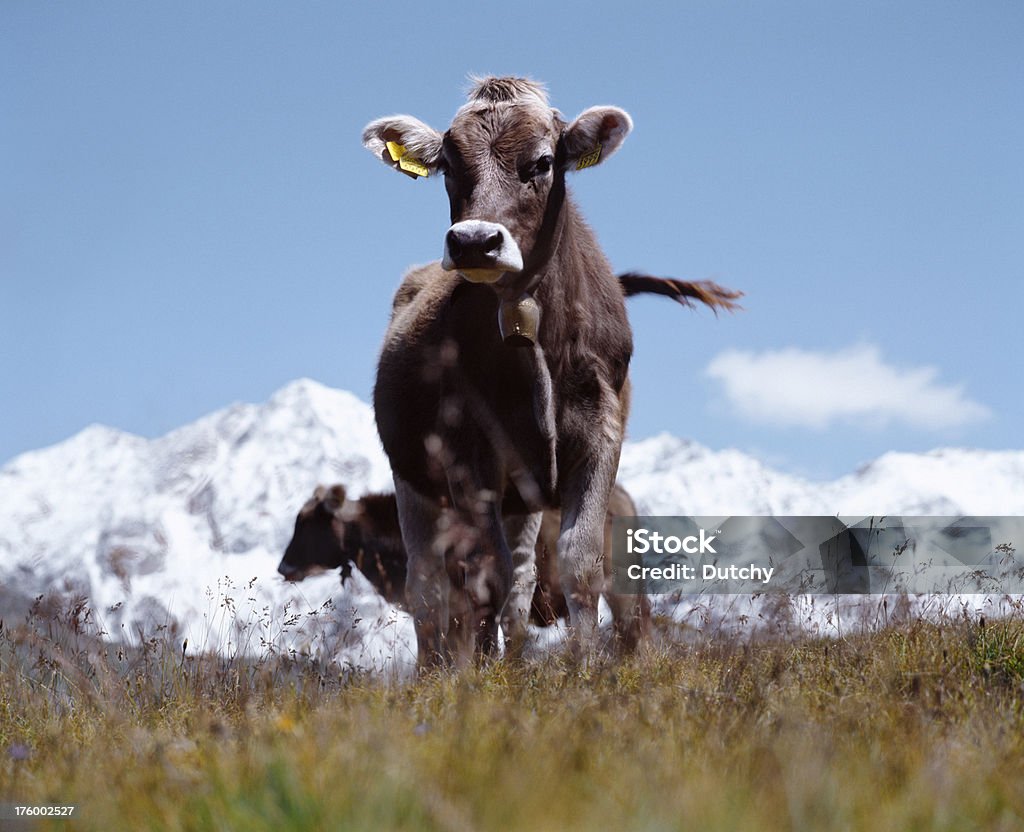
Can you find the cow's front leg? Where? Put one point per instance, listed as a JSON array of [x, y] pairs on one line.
[[521, 532], [427, 585], [584, 492], [580, 557]]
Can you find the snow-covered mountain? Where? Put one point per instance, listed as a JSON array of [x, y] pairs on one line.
[[667, 475], [189, 528], [185, 531]]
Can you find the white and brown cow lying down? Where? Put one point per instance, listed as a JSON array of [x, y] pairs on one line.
[[332, 532], [502, 385]]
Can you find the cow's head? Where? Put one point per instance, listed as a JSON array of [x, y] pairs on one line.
[[317, 543], [504, 161]]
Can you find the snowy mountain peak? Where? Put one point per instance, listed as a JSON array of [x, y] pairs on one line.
[[309, 390]]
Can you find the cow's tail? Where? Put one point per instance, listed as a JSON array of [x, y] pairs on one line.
[[682, 291]]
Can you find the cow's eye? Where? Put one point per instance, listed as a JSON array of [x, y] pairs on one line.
[[543, 164]]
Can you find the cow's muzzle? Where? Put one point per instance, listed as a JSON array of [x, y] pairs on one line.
[[481, 251], [293, 574], [289, 572]]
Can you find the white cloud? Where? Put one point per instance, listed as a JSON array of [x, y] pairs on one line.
[[854, 385]]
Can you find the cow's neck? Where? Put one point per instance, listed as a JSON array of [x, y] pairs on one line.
[[545, 247], [570, 268], [519, 312]]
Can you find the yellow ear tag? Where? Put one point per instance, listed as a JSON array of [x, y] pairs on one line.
[[589, 159], [409, 165], [396, 150]]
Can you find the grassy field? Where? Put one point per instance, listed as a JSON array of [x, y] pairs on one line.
[[918, 726]]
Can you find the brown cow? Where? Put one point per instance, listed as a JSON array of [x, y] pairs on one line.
[[502, 382], [332, 532]]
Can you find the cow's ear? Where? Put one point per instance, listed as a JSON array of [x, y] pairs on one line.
[[405, 144], [594, 136], [335, 498]]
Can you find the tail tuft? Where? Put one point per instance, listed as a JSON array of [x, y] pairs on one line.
[[682, 291]]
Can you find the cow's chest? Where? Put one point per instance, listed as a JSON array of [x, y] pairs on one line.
[[495, 407]]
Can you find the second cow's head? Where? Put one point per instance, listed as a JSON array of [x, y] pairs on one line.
[[504, 161]]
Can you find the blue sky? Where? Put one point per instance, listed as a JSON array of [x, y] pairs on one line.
[[187, 217]]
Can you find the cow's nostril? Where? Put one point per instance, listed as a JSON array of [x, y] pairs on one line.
[[454, 246], [493, 243]]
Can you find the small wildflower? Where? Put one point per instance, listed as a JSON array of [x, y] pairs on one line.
[[18, 751]]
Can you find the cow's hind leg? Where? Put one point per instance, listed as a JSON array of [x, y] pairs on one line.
[[480, 566], [631, 615], [462, 632], [494, 569], [427, 585]]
